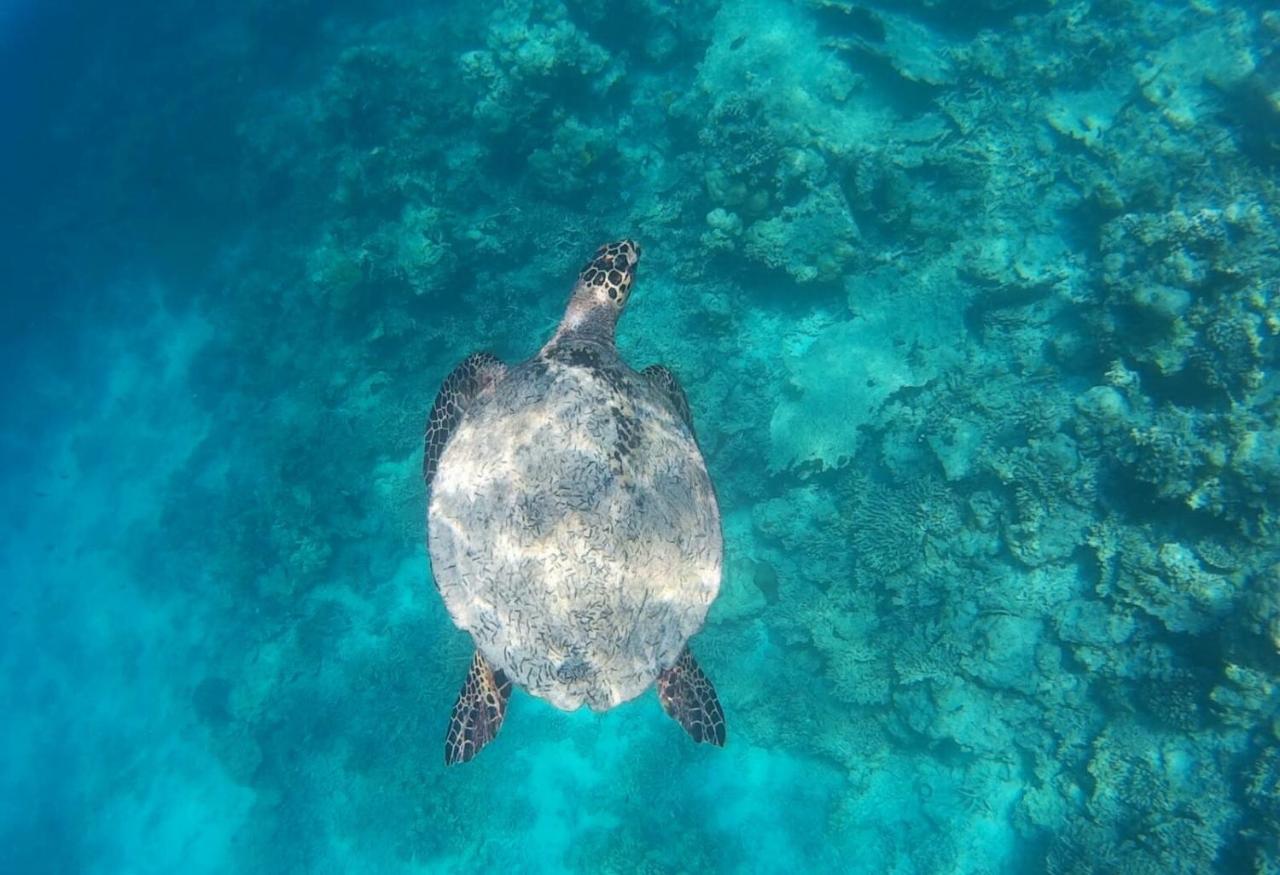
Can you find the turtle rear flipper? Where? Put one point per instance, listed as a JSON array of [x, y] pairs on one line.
[[478, 371], [478, 714], [687, 695]]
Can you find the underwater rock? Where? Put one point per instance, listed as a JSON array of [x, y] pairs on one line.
[[1184, 76], [742, 598], [1006, 654], [979, 722], [778, 146], [1086, 116], [957, 450], [1092, 622]]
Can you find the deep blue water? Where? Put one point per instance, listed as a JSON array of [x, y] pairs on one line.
[[976, 308]]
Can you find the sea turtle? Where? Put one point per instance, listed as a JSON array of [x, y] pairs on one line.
[[572, 525]]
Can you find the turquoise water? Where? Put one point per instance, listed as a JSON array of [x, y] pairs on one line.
[[976, 306]]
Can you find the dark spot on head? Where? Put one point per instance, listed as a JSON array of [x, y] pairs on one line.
[[597, 280], [621, 262], [615, 277], [613, 293]]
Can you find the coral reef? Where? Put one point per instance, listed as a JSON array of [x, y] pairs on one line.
[[975, 306]]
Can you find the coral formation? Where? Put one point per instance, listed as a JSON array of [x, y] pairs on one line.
[[975, 306]]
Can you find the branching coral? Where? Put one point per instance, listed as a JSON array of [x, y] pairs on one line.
[[891, 526], [1178, 302], [1053, 492], [1263, 788], [1166, 581], [1081, 847], [1165, 801], [814, 240], [859, 676], [1174, 702], [921, 660], [532, 48]]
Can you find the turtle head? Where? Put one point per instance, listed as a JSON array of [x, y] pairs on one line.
[[607, 277], [602, 290]]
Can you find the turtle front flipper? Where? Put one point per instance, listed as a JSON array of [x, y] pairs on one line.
[[687, 695], [478, 371], [667, 383], [478, 714]]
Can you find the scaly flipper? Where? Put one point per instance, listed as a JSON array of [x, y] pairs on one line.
[[666, 381], [687, 695], [478, 371], [478, 714]]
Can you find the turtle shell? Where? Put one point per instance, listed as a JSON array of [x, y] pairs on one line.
[[573, 529]]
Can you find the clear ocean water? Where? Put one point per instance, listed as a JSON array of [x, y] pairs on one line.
[[976, 306]]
